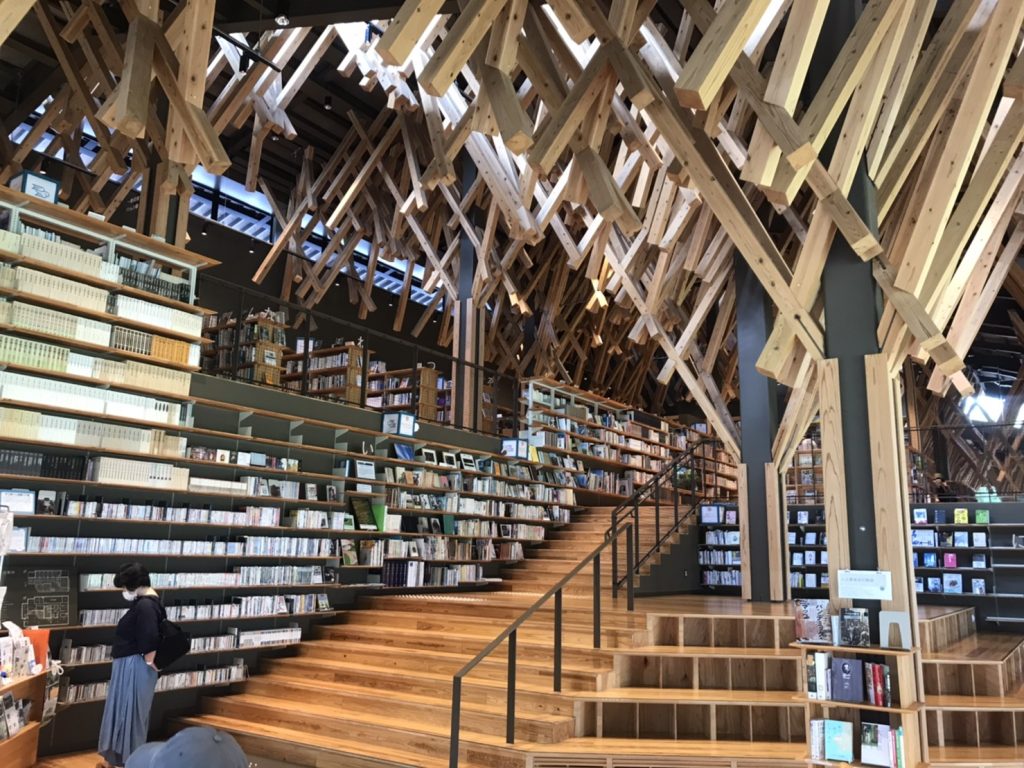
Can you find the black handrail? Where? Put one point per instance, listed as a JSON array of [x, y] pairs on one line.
[[625, 520]]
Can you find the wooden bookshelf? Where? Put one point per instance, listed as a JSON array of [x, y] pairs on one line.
[[806, 540], [718, 548], [20, 750], [251, 349], [333, 372], [601, 445], [422, 391], [899, 710]]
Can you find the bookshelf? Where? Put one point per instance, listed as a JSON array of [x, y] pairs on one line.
[[332, 372], [251, 349], [20, 750], [718, 548], [600, 445], [803, 482], [853, 723], [806, 550], [421, 390]]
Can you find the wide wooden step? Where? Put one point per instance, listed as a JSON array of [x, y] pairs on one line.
[[1013, 703], [477, 717], [260, 739], [703, 651], [997, 756], [540, 675], [690, 696], [667, 753], [422, 616]]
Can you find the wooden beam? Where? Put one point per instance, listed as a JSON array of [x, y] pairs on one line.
[[470, 26], [11, 14], [706, 70], [405, 30]]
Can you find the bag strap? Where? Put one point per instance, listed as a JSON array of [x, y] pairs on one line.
[[161, 611]]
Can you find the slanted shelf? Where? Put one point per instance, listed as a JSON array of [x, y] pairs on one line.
[[862, 705], [20, 750], [251, 349]]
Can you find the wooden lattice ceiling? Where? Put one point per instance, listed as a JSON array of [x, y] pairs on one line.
[[622, 154]]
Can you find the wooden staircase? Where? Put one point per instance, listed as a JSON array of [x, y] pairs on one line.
[[666, 688], [974, 693]]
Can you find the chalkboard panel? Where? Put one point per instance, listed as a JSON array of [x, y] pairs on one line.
[[44, 597]]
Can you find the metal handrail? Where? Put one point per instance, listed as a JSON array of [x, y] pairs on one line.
[[627, 523]]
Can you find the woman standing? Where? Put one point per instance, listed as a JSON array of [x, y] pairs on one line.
[[133, 679]]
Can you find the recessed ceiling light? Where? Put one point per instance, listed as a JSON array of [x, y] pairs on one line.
[[282, 20]]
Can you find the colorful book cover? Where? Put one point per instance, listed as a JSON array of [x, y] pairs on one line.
[[934, 584], [853, 627], [978, 586], [941, 516], [931, 560], [952, 583], [960, 516], [981, 517], [876, 744], [920, 516], [813, 623], [960, 539], [979, 561], [949, 560], [838, 741]]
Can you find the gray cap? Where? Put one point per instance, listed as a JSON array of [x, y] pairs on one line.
[[191, 748]]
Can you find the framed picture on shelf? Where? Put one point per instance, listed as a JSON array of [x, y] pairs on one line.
[[467, 462], [428, 456], [448, 459], [731, 517], [312, 493]]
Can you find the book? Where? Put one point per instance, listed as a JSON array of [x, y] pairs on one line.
[[978, 587], [919, 584], [813, 623], [847, 680], [876, 744], [931, 560], [920, 516], [838, 741], [961, 516], [941, 516], [853, 627], [798, 558], [922, 537], [945, 538], [802, 517], [363, 514], [981, 517], [979, 561], [817, 739], [949, 560], [960, 539], [710, 514], [952, 583], [979, 539], [934, 584]]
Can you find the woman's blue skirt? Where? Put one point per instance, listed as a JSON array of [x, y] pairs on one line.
[[126, 714]]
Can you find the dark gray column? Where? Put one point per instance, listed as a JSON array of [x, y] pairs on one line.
[[759, 419], [468, 383]]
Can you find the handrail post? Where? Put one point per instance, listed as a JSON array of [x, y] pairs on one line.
[[615, 563], [453, 746], [510, 703], [597, 601], [636, 527], [675, 495], [630, 560], [657, 510], [558, 642]]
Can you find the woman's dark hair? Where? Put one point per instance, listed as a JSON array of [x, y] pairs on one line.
[[131, 576]]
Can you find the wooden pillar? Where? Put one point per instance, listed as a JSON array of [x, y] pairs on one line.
[[467, 339]]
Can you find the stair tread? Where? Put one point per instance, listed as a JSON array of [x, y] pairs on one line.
[[375, 718], [664, 695], [410, 698], [955, 701], [705, 650], [568, 664], [988, 648], [673, 747], [375, 750], [976, 756]]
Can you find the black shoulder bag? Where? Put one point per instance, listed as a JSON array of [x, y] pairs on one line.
[[174, 641]]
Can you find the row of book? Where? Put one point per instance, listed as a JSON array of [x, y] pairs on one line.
[[718, 557], [244, 458], [921, 538], [958, 516], [76, 693], [22, 541], [251, 516], [36, 464], [807, 516], [140, 474], [250, 606], [98, 333], [34, 426], [949, 560], [722, 538], [268, 575], [53, 288], [802, 580], [156, 315], [78, 655], [509, 509], [809, 557], [949, 584], [417, 573], [30, 353], [718, 514], [815, 623], [14, 715], [880, 744], [723, 578], [848, 679], [148, 276]]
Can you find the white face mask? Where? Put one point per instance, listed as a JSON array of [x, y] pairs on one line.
[[129, 596]]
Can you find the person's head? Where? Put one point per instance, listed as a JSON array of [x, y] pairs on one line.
[[191, 748], [131, 577]]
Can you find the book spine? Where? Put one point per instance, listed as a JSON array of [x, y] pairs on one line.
[[878, 684]]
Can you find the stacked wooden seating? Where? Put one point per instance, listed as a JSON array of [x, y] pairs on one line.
[[974, 693]]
